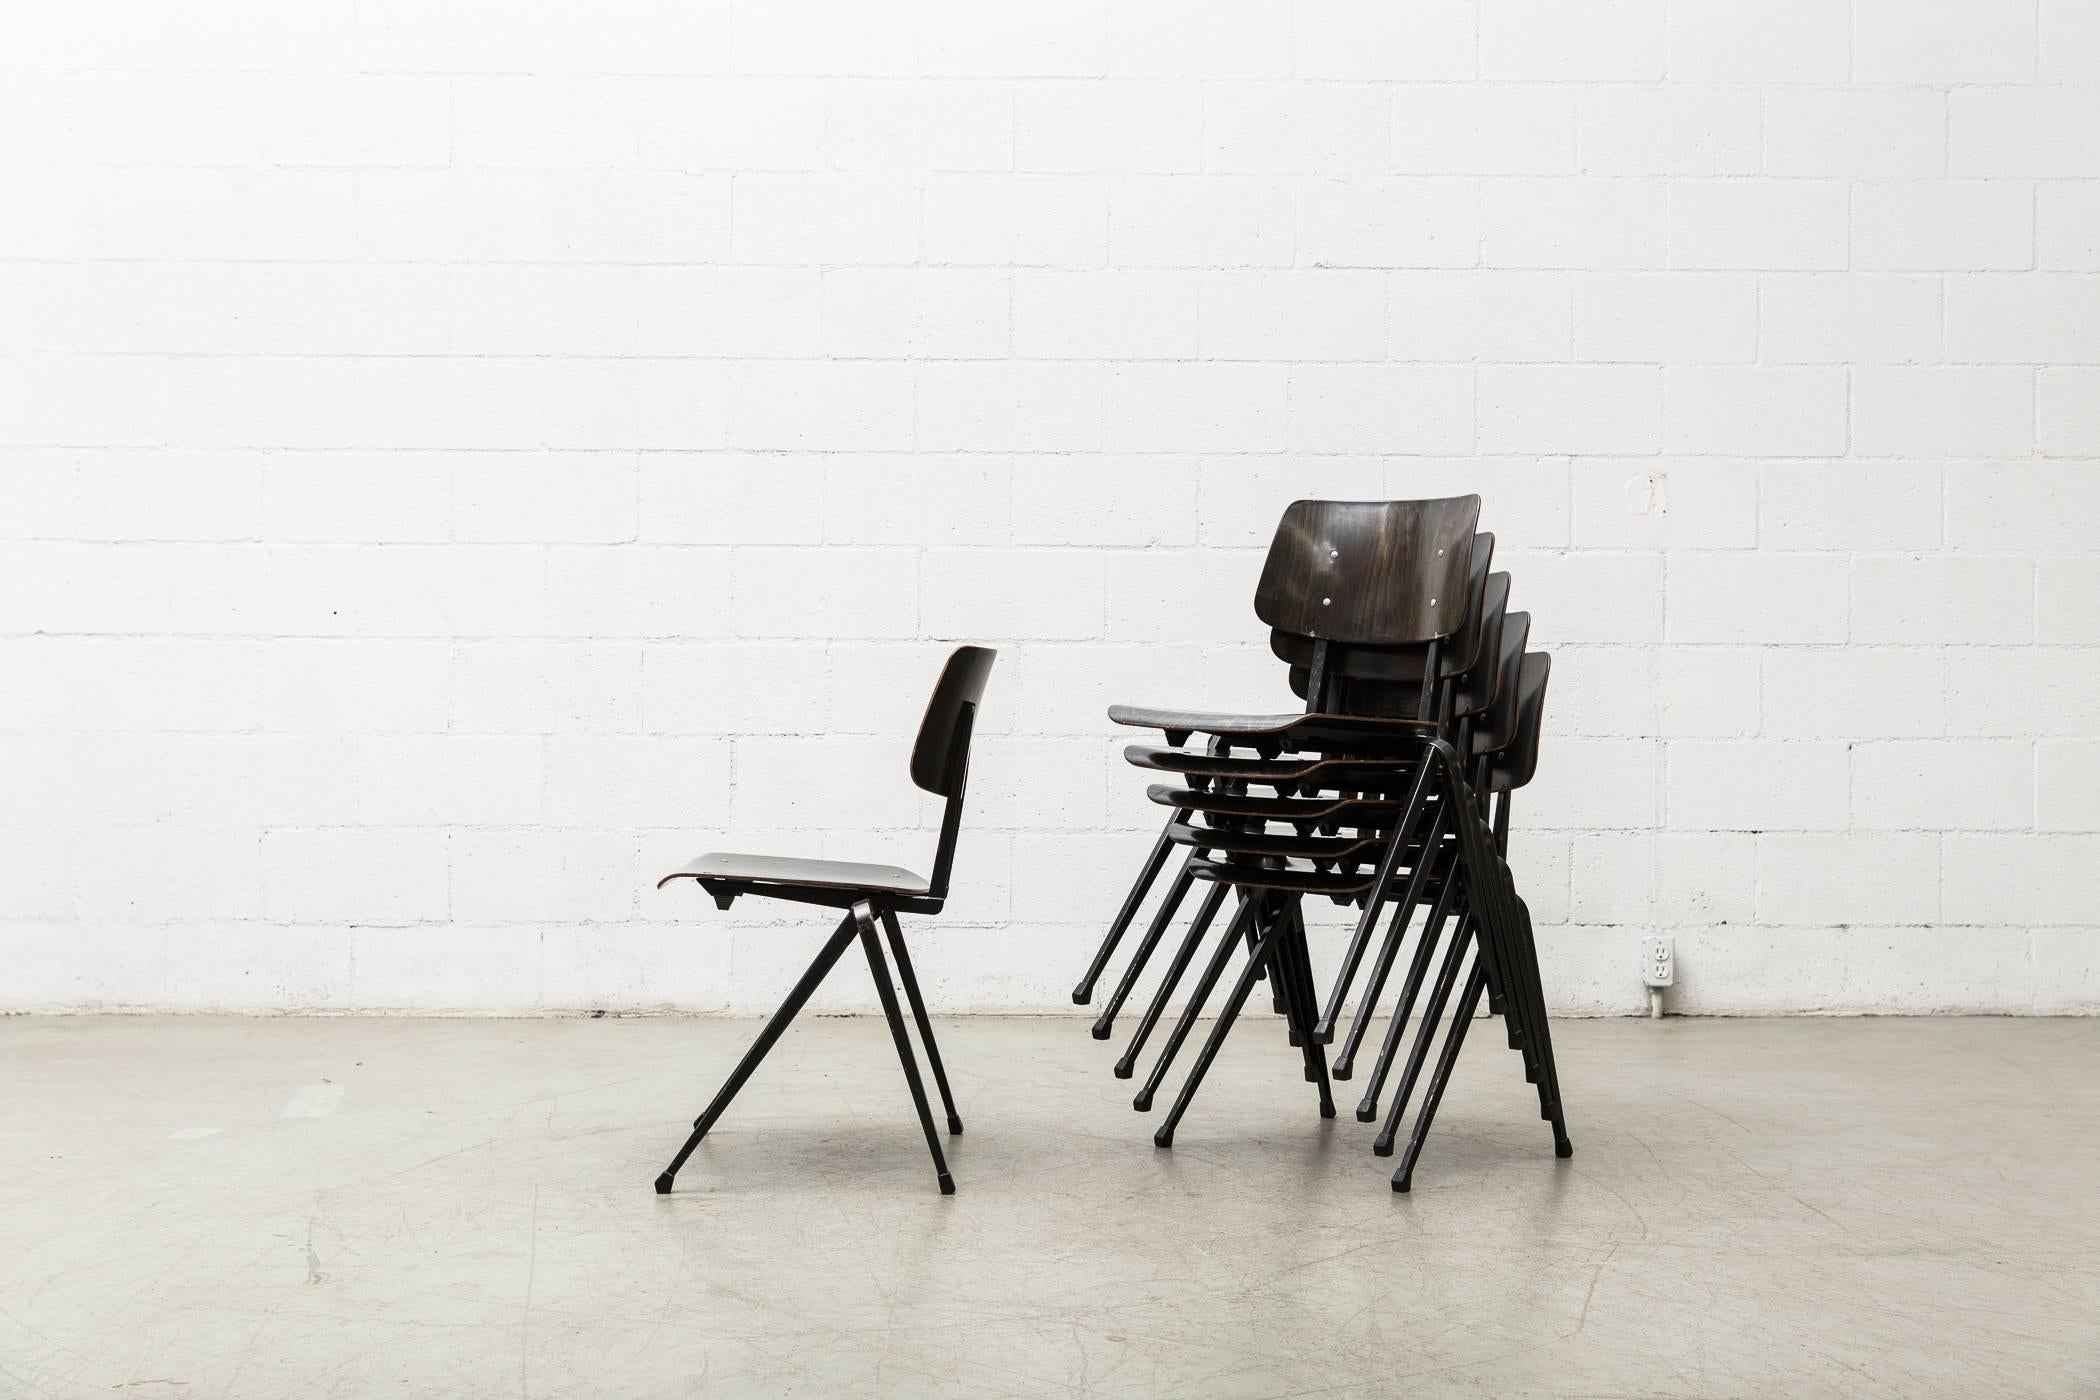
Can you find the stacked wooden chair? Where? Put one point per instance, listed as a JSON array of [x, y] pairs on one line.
[[1389, 794]]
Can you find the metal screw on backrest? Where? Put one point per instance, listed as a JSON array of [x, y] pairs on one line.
[[1326, 602]]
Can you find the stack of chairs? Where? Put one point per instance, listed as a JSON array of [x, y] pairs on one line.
[[1389, 793]]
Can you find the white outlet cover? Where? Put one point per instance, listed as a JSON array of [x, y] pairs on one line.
[[1659, 961]]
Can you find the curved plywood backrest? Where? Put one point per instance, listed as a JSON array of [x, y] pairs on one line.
[[941, 755], [1515, 765], [1497, 729], [1388, 681], [1479, 686], [1382, 573]]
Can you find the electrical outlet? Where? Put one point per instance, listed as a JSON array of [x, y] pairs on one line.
[[1659, 961]]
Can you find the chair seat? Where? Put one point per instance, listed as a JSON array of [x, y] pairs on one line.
[[1298, 729], [792, 870]]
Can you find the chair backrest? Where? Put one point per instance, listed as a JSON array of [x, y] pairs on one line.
[[1404, 662], [1477, 688], [1496, 729], [940, 758], [1386, 573], [1515, 765]]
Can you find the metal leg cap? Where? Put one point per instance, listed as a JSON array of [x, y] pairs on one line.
[[1081, 995], [1100, 1032], [1382, 1147], [1563, 1148], [663, 1184], [1142, 1103], [1402, 1183], [947, 1184], [1339, 1070], [1327, 1110], [1366, 1113], [1163, 1138], [955, 1125]]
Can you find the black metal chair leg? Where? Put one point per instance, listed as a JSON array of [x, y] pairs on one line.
[[1381, 968], [1205, 913], [881, 972], [1142, 1102], [800, 993], [1228, 1013], [1105, 1023], [1297, 955], [918, 1013], [1550, 1106], [1432, 1012], [1374, 902], [1461, 1019], [1430, 857], [1403, 1007], [1410, 987], [1283, 975], [1084, 992], [1507, 929]]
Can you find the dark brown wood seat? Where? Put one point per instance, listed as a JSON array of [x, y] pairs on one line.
[[796, 872], [1349, 810], [1294, 730], [1296, 771]]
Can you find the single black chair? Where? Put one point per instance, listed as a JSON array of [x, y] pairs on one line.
[[940, 763]]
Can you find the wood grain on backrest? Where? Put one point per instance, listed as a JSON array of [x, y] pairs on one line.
[[1386, 573]]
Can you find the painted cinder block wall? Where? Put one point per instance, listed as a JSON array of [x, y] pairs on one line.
[[457, 460]]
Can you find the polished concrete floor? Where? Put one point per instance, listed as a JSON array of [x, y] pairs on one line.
[[346, 1208]]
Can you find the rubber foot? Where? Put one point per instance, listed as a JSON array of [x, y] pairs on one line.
[[1163, 1138], [1100, 1032], [663, 1184], [1142, 1103], [947, 1184], [1381, 1147], [1366, 1113], [1297, 1042], [1563, 1148], [1122, 1071], [1080, 998], [955, 1125], [1338, 1071], [1402, 1184], [1327, 1110]]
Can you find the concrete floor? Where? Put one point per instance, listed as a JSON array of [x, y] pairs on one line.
[[323, 1208]]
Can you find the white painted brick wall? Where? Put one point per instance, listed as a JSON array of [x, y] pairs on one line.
[[457, 460]]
